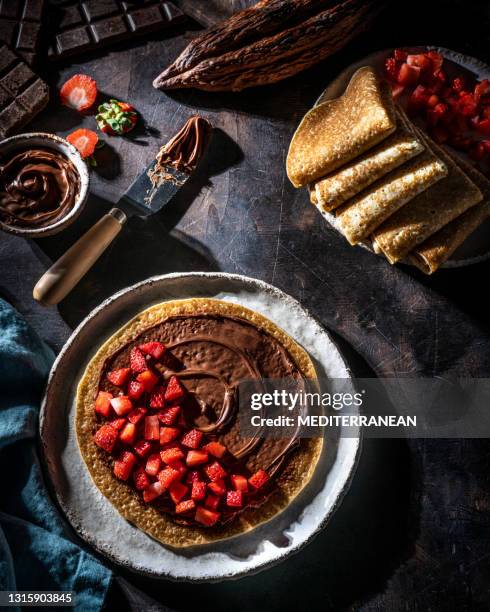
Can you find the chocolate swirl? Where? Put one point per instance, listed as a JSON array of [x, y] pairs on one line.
[[37, 187]]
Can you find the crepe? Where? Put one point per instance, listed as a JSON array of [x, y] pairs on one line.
[[439, 247], [361, 215], [338, 187], [297, 472], [337, 131], [428, 212]]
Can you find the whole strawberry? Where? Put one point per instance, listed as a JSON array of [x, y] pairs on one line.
[[116, 118]]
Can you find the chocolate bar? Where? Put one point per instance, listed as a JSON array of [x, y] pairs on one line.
[[92, 24], [22, 93], [20, 26]]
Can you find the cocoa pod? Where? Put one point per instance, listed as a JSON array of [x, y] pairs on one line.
[[282, 55]]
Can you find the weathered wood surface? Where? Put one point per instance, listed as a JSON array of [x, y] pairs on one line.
[[413, 531]]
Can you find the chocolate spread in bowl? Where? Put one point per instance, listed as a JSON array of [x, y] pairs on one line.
[[211, 355], [37, 187]]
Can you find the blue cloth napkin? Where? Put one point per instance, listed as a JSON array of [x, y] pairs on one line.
[[36, 552]]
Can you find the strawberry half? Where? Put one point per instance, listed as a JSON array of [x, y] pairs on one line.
[[206, 517], [137, 361], [79, 92], [174, 390], [106, 438], [192, 438], [154, 349], [103, 403], [84, 141], [118, 377]]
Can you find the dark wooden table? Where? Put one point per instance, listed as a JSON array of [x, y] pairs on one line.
[[413, 531]]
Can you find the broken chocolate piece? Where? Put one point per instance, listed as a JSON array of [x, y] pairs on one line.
[[20, 26]]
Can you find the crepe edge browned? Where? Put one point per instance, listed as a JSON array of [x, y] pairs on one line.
[[292, 480]]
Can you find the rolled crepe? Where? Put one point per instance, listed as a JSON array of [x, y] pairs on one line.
[[359, 217], [337, 131], [439, 247], [338, 187], [428, 212]]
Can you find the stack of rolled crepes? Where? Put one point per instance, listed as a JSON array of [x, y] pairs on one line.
[[382, 180]]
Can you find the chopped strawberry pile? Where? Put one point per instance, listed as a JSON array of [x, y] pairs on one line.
[[456, 110], [142, 425]]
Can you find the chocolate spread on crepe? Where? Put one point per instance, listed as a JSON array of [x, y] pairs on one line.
[[429, 211], [211, 347], [37, 187], [346, 182], [337, 131]]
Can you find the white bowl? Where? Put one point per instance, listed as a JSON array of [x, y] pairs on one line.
[[49, 141]]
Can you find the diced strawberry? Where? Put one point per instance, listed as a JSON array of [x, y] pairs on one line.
[[118, 377], [154, 349], [215, 448], [153, 464], [234, 499], [169, 415], [124, 465], [106, 438], [168, 434], [467, 105], [193, 476], [217, 487], [174, 390], [400, 55], [185, 506], [84, 141], [432, 100], [434, 115], [177, 491], [136, 415], [148, 379], [481, 89], [198, 490], [167, 476], [436, 59], [79, 92], [420, 61], [152, 428], [137, 360], [239, 482], [128, 433], [458, 84], [135, 389], [152, 492], [211, 502], [397, 90], [118, 424], [103, 403], [121, 405], [259, 479], [192, 438], [392, 69], [157, 399], [181, 467], [418, 98], [215, 471], [206, 517], [141, 480], [408, 75], [483, 127], [196, 457], [171, 455], [142, 448]]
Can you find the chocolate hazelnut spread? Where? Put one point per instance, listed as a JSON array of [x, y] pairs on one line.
[[184, 150], [37, 187], [211, 355]]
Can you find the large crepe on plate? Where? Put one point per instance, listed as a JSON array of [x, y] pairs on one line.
[[360, 216], [337, 131], [439, 247], [338, 187], [299, 464], [428, 212]]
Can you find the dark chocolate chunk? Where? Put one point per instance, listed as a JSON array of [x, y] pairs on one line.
[[22, 93], [20, 26], [93, 24]]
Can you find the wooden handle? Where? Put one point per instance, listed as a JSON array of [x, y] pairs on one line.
[[65, 273]]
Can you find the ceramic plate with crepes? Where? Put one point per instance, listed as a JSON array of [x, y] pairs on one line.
[[380, 179], [157, 422]]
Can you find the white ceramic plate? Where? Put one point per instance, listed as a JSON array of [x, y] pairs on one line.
[[477, 247], [94, 517]]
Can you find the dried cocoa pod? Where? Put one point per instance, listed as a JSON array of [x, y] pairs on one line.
[[277, 57], [245, 27]]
